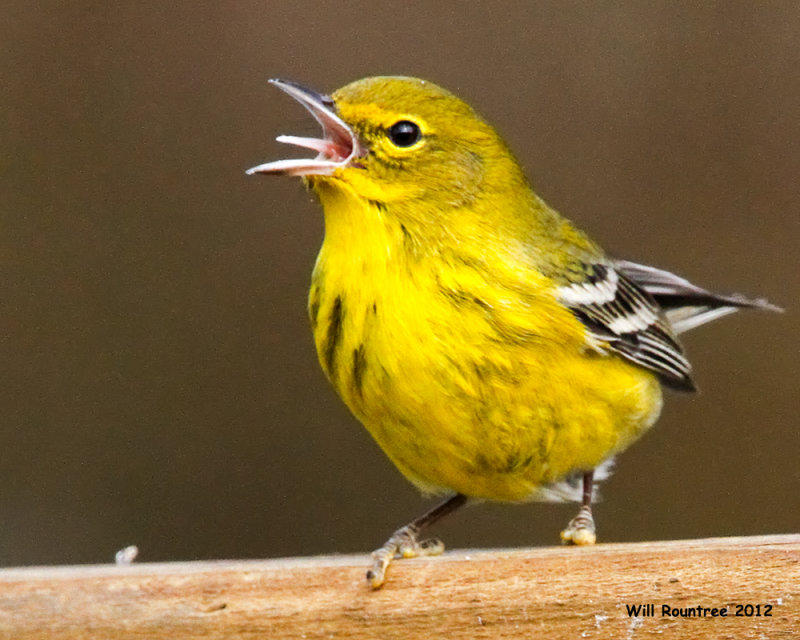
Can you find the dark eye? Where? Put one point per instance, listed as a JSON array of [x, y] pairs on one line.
[[404, 133]]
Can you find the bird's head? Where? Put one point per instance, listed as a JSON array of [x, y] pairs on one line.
[[398, 141]]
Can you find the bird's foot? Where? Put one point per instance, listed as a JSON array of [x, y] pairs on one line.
[[404, 543], [581, 529]]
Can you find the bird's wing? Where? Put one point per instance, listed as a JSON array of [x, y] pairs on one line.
[[622, 316], [685, 305]]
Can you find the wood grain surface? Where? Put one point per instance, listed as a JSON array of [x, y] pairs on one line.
[[553, 593]]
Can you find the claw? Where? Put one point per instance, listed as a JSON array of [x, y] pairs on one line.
[[404, 543], [581, 529]]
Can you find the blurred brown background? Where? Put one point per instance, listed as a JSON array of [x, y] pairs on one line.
[[159, 383]]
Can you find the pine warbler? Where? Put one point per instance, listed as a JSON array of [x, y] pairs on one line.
[[493, 350]]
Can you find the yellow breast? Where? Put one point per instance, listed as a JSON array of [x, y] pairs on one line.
[[460, 362]]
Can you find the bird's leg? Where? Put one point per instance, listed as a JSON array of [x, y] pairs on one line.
[[580, 529], [405, 541]]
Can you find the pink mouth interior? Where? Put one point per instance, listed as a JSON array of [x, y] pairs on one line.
[[333, 150], [337, 147]]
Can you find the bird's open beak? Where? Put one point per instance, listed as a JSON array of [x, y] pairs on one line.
[[337, 147]]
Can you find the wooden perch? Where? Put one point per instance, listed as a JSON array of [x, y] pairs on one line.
[[548, 593]]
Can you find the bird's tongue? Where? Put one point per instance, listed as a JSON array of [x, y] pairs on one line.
[[328, 149]]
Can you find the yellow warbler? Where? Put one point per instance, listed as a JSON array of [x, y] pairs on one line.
[[491, 348]]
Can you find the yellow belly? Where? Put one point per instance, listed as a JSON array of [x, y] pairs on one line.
[[465, 396], [460, 362]]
